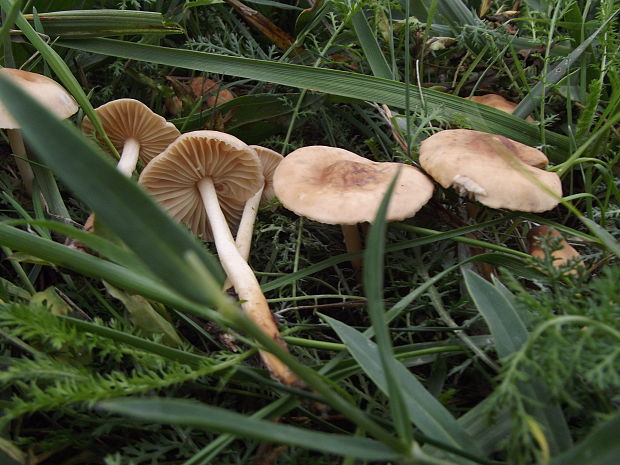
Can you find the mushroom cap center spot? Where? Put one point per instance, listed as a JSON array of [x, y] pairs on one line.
[[347, 173]]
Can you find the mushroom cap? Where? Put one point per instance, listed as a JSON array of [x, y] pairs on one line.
[[171, 177], [270, 161], [498, 102], [127, 118], [44, 90], [335, 186], [560, 256], [493, 169]]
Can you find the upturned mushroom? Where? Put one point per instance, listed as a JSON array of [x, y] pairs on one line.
[[48, 93], [494, 170], [197, 179], [135, 130], [335, 186]]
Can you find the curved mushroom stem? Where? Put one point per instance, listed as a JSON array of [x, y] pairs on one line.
[[246, 228], [126, 165], [129, 157], [17, 146], [241, 275]]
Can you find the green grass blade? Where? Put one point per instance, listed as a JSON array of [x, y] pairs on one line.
[[526, 106], [347, 84], [103, 247], [98, 23], [424, 410], [118, 202], [194, 414], [373, 285], [510, 333], [600, 447], [89, 265], [368, 42], [61, 69]]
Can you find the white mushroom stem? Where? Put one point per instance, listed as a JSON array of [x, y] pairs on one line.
[[129, 157], [126, 165], [241, 275], [17, 147], [246, 229]]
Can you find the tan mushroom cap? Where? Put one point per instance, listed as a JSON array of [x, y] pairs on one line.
[[126, 118], [44, 90], [270, 161], [171, 177], [498, 102], [560, 256], [335, 186], [492, 169]]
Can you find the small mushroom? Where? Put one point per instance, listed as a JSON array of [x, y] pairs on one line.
[[498, 102], [197, 179], [135, 129], [495, 170], [335, 186], [48, 93], [269, 162], [561, 256]]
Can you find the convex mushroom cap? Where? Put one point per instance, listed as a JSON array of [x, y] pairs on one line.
[[171, 177], [44, 90], [560, 257], [125, 119], [335, 186], [498, 102], [495, 170]]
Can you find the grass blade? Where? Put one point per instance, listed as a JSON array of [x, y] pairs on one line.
[[424, 410], [600, 447], [526, 106], [347, 84], [510, 334], [188, 413], [118, 202], [368, 42], [98, 23], [373, 284]]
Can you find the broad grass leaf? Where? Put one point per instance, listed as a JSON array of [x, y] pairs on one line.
[[510, 333], [425, 411], [194, 414], [347, 84], [600, 447]]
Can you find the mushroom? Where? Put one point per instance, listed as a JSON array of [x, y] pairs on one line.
[[48, 93], [197, 179], [561, 256], [498, 102], [495, 170], [335, 186], [269, 162], [133, 129]]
